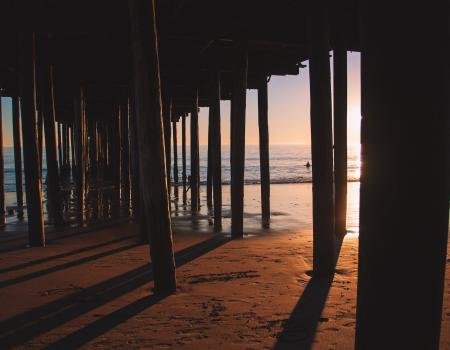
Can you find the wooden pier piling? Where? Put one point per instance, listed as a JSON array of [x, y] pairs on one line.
[[216, 148], [49, 112], [33, 180], [195, 176], [237, 155], [17, 154], [153, 176], [340, 140], [321, 142], [183, 156], [264, 167]]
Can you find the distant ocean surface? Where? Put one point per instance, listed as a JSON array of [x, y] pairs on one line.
[[287, 165]]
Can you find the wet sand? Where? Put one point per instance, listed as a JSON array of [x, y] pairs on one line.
[[94, 289]]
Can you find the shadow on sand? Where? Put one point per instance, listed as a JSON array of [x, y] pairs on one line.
[[298, 332], [29, 325]]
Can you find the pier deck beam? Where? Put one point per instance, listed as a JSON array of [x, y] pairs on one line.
[[321, 142], [403, 217], [238, 106]]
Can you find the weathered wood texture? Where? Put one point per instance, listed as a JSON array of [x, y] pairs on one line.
[[403, 217], [321, 142], [153, 177]]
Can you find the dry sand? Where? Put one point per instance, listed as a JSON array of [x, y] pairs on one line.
[[94, 290]]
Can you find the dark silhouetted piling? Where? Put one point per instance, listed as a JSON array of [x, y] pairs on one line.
[[214, 110], [403, 216], [195, 186], [153, 177], [321, 142], [2, 168], [33, 184], [49, 112], [175, 152], [209, 170], [340, 140], [125, 151], [238, 140], [167, 116], [17, 154], [183, 155], [60, 152], [263, 125]]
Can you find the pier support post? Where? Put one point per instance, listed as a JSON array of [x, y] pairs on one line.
[[33, 184], [2, 168], [48, 109], [116, 147], [321, 142], [79, 132], [175, 152], [40, 122], [153, 177], [167, 115], [216, 149], [403, 216], [340, 141], [237, 155], [60, 153], [195, 176], [125, 151], [72, 149], [209, 166], [183, 155], [263, 125], [135, 192], [17, 154]]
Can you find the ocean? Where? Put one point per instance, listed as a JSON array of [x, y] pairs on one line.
[[287, 165]]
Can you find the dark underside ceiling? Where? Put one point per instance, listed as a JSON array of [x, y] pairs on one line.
[[87, 42]]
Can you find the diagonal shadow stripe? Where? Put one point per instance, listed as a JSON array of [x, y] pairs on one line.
[[36, 274], [64, 255], [299, 331], [95, 329], [29, 325]]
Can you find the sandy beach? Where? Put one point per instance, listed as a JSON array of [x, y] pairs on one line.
[[93, 289]]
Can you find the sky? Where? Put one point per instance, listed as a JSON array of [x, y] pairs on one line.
[[288, 111]]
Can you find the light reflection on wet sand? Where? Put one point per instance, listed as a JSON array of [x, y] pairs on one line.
[[291, 210]]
